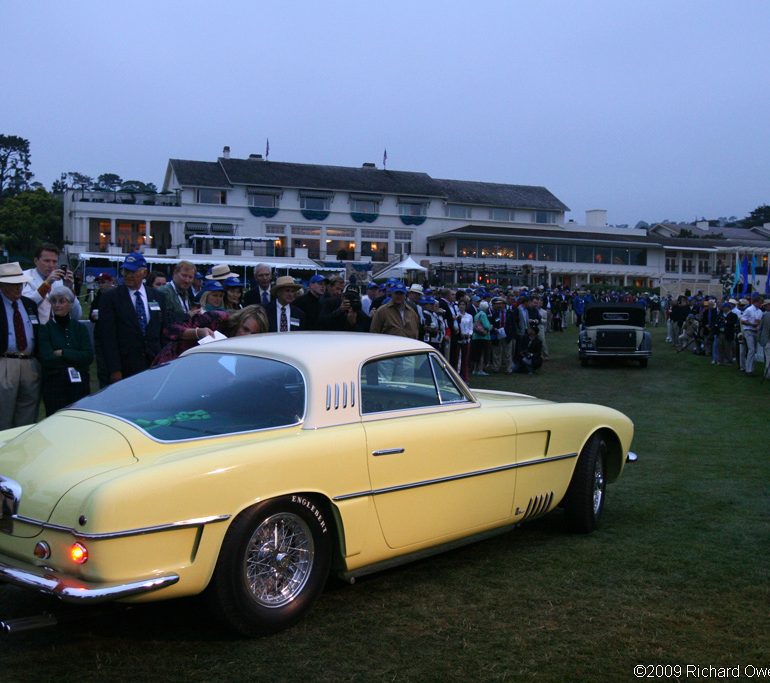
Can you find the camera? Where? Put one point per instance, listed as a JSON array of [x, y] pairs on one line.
[[353, 298]]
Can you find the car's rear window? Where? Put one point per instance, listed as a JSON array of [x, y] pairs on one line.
[[206, 394]]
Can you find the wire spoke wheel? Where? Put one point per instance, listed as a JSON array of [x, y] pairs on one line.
[[279, 559]]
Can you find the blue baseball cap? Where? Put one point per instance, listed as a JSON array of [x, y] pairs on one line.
[[232, 282], [317, 278], [398, 288], [213, 286], [134, 262]]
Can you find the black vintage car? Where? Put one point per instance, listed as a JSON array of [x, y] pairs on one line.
[[614, 331]]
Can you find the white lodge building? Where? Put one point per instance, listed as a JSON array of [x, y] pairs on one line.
[[305, 217]]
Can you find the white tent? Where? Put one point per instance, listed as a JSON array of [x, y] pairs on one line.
[[400, 269]]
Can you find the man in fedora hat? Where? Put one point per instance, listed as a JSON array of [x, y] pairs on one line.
[[281, 315], [19, 369], [221, 272], [129, 322]]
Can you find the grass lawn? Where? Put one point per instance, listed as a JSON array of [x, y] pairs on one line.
[[678, 573]]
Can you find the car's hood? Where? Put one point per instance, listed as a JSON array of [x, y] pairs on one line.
[[47, 460]]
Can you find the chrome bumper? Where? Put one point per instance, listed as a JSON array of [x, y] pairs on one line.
[[68, 589], [632, 457]]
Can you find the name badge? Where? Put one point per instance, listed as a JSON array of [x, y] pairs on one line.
[[154, 305], [294, 322], [74, 375], [33, 319]]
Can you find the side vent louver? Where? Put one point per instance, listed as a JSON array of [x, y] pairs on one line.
[[538, 505]]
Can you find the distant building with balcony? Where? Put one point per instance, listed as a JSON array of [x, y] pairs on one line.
[[307, 217]]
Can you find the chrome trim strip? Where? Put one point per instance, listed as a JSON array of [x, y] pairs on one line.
[[171, 526], [388, 451], [328, 397], [336, 397], [352, 394], [453, 477], [70, 590], [344, 394]]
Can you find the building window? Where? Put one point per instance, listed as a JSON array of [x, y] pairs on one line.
[[602, 255], [671, 263], [687, 262], [565, 253], [458, 211], [584, 254], [403, 242], [467, 248], [262, 200], [207, 196], [275, 229], [544, 217], [378, 251], [502, 215], [314, 203], [364, 206], [413, 208], [703, 264], [546, 252]]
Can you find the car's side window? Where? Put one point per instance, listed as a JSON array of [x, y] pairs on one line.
[[407, 382], [447, 389], [398, 383]]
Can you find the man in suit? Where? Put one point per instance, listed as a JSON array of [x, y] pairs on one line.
[[281, 315], [261, 293], [129, 322], [176, 297], [19, 369]]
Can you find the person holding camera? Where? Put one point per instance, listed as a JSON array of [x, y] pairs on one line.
[[47, 276]]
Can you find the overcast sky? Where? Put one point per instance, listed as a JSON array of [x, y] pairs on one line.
[[652, 109]]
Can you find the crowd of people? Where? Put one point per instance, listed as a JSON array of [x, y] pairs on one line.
[[729, 331], [148, 318]]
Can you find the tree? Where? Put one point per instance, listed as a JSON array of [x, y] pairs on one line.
[[109, 181], [80, 181], [758, 216], [60, 186], [14, 165], [30, 218]]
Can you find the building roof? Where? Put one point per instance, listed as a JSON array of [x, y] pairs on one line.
[[225, 173], [547, 235], [497, 194], [199, 173], [321, 177]]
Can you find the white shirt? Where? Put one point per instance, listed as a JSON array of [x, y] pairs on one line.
[[43, 305], [278, 308], [143, 294], [750, 318]]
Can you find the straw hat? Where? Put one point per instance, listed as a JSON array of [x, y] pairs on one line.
[[12, 274]]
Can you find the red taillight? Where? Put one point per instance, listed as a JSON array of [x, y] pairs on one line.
[[78, 553]]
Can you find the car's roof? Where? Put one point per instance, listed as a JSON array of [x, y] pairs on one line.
[[330, 362], [326, 352]]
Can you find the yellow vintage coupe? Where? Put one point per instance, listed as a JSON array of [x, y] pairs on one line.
[[251, 468]]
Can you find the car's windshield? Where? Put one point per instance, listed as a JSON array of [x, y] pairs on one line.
[[206, 394]]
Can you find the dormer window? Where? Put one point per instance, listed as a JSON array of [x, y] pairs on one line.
[[315, 202], [208, 196]]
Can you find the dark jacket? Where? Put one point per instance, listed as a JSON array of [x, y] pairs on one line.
[[297, 314], [73, 341], [124, 346]]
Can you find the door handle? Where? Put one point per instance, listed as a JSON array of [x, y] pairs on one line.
[[388, 451]]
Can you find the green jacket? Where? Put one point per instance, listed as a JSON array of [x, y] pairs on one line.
[[75, 343]]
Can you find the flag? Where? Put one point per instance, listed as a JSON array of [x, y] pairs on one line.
[[385, 158], [767, 279], [753, 272], [267, 148], [745, 275], [736, 277]]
